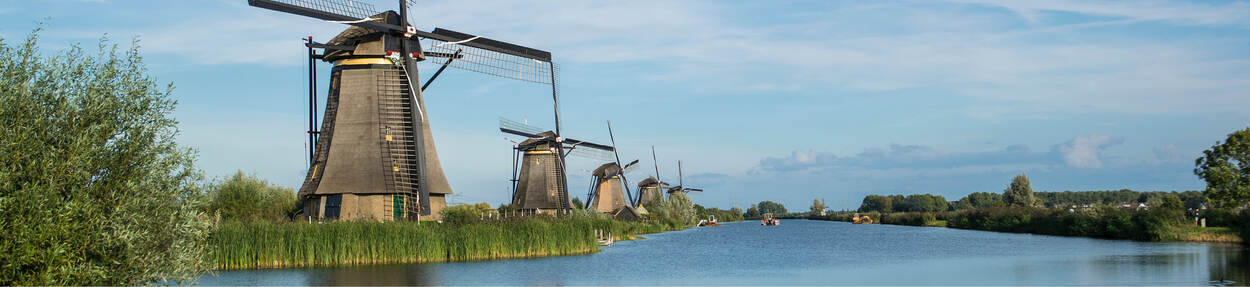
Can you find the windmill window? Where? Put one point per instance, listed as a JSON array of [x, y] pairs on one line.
[[334, 203], [388, 133]]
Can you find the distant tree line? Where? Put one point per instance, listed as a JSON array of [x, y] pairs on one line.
[[758, 210], [1057, 199], [900, 203]]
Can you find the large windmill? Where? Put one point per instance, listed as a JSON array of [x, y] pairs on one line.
[[539, 178], [374, 155], [609, 189]]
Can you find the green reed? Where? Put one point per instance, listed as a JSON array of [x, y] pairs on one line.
[[276, 245]]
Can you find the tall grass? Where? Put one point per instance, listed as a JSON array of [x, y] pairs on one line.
[[278, 245]]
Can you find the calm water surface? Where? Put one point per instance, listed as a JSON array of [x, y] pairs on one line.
[[801, 252]]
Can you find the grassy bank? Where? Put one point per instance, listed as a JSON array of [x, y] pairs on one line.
[[1108, 223], [279, 245], [931, 219]]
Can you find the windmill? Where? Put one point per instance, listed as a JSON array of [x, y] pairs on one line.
[[680, 186], [609, 189], [539, 180], [651, 189], [373, 156]]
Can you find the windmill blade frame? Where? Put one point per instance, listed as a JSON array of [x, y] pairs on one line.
[[590, 153], [519, 128]]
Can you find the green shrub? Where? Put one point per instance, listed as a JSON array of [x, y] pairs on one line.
[[468, 213], [94, 189], [908, 218], [246, 198], [1112, 223]]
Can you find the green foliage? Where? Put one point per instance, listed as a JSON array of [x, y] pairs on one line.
[[1019, 193], [1226, 169], [980, 200], [753, 212], [922, 203], [469, 213], [1106, 222], [578, 204], [908, 218], [1108, 197], [877, 203], [731, 215], [817, 207], [246, 198], [94, 189], [298, 244], [899, 203], [771, 207], [680, 208]]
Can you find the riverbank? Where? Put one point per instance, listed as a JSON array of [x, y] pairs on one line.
[[807, 253], [1156, 226], [255, 245]]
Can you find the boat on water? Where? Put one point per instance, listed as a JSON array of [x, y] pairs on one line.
[[857, 219], [769, 220], [710, 221]]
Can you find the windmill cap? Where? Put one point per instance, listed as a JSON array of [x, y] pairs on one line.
[[605, 169]]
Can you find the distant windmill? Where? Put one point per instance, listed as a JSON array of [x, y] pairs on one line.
[[540, 182], [680, 186], [609, 189], [651, 190], [373, 156]]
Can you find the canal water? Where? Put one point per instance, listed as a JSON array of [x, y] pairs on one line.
[[801, 252]]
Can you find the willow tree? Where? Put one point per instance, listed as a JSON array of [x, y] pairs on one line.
[[680, 207], [1019, 193], [1226, 169], [93, 188]]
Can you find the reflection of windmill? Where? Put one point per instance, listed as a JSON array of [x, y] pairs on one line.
[[374, 154], [680, 186], [609, 189], [651, 190], [539, 180]]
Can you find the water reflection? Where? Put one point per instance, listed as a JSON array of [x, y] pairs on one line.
[[1230, 266], [816, 253], [381, 275]]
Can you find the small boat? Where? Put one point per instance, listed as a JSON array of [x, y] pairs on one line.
[[710, 221], [857, 219], [769, 220]]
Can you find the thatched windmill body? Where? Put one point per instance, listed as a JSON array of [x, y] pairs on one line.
[[609, 189], [539, 181], [373, 156], [651, 190]]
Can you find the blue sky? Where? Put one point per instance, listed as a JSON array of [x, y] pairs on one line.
[[765, 100]]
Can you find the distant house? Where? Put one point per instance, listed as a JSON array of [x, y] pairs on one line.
[[1135, 206]]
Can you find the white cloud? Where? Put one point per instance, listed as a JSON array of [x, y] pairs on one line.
[[252, 36], [1190, 13], [1086, 151], [1039, 70], [1166, 154]]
